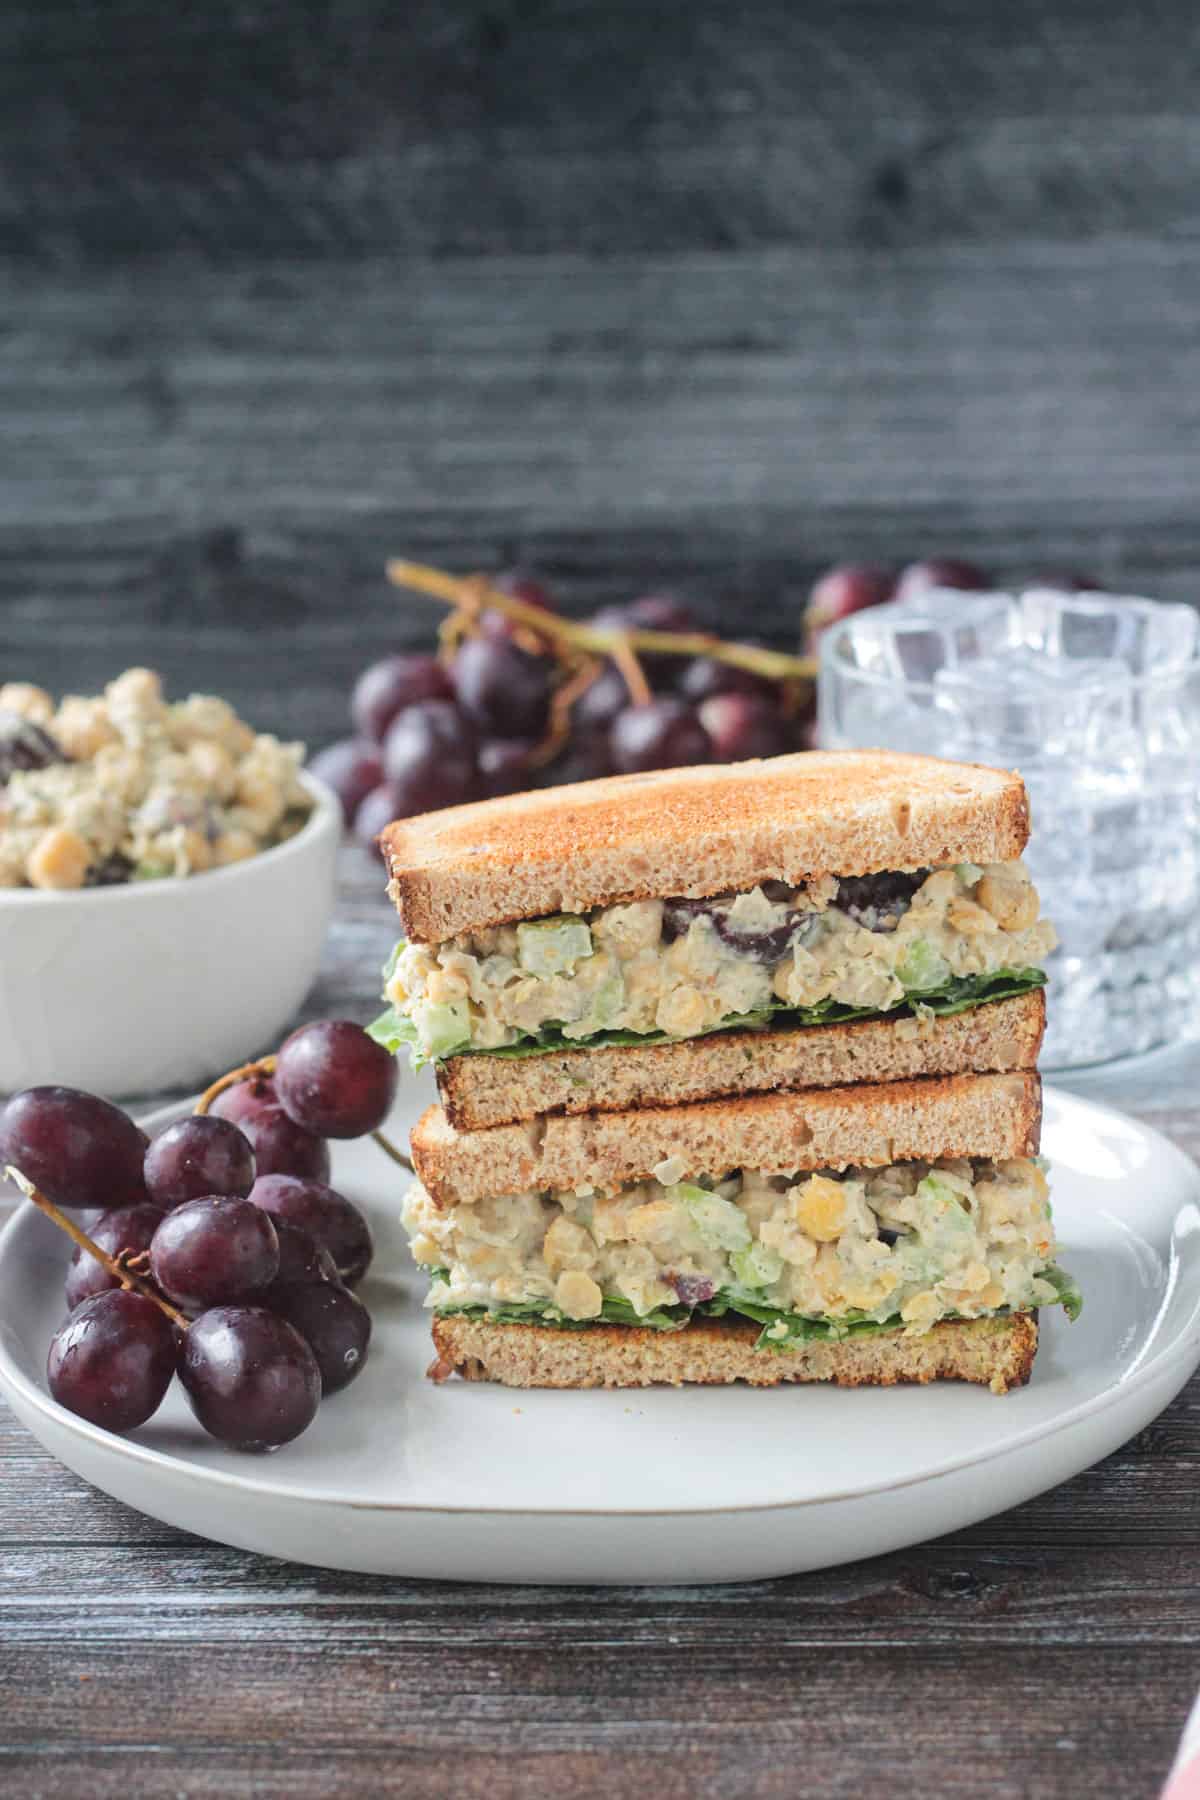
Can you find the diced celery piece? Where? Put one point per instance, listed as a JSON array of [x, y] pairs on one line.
[[442, 1027], [968, 873], [552, 945], [721, 1224], [922, 967], [607, 1002], [758, 1266], [946, 1201]]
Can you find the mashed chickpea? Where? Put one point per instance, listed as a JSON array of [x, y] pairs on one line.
[[910, 1243], [127, 786]]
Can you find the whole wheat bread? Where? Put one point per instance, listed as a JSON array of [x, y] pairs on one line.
[[997, 1351], [480, 1091], [986, 1116], [696, 831]]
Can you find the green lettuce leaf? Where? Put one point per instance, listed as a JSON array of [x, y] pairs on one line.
[[958, 995], [780, 1330], [1067, 1288], [614, 1311]]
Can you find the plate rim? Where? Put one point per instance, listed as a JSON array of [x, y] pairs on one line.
[[1185, 1342]]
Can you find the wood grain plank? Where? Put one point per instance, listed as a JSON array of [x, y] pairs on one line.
[[213, 465], [751, 1713], [330, 129], [949, 1593]]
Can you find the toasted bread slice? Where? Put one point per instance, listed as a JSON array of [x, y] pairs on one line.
[[697, 831], [998, 1351], [481, 1091], [987, 1116]]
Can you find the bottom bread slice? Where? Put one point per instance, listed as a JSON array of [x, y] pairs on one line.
[[998, 1351]]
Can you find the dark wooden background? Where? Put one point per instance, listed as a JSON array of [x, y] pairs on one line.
[[644, 293], [706, 294]]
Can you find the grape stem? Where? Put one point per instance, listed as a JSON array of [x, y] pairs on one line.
[[265, 1065], [558, 730], [119, 1271], [626, 659], [471, 593]]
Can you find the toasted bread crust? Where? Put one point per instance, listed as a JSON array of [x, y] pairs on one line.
[[697, 831], [991, 1116], [995, 1351], [478, 1092]]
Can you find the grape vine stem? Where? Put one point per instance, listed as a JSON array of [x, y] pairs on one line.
[[119, 1272], [470, 593], [265, 1065]]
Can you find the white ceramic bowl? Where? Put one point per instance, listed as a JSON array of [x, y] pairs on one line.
[[156, 984]]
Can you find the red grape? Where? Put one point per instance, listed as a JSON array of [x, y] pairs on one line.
[[79, 1150], [124, 1228], [242, 1101], [703, 677], [430, 759], [587, 757], [351, 767], [940, 572], [281, 1147], [665, 734], [846, 588], [197, 1156], [24, 746], [383, 690], [335, 1080], [653, 612], [503, 689], [742, 726], [301, 1259], [251, 1378], [211, 1251], [521, 586], [328, 1217], [375, 814], [112, 1362], [504, 765], [601, 701], [334, 1324]]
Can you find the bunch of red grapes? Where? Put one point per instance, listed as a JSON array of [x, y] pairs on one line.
[[228, 1219], [431, 734]]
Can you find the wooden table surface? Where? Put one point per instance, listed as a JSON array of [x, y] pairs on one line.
[[1053, 1650], [696, 295]]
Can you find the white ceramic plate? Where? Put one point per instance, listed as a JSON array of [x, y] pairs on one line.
[[400, 1477]]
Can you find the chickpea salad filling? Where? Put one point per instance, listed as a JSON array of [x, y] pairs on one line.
[[124, 786], [824, 1255], [925, 942]]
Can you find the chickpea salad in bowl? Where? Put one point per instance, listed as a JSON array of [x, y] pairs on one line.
[[126, 786]]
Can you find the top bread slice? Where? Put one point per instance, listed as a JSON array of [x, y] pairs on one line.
[[986, 1116], [694, 832]]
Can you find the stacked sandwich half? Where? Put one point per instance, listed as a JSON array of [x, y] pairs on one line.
[[737, 1069]]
